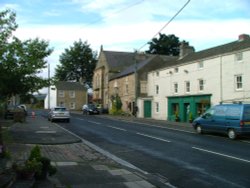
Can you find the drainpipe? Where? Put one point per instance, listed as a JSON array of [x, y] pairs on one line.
[[221, 81]]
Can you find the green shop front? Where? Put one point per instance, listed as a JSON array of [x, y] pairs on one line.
[[187, 108]]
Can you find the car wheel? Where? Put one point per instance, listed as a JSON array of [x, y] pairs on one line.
[[199, 129], [231, 134]]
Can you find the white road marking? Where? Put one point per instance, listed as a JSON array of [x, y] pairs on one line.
[[151, 125], [221, 154], [94, 122], [156, 138], [79, 118], [245, 141], [117, 128], [42, 132]]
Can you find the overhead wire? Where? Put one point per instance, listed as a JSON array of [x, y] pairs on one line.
[[176, 14], [116, 12]]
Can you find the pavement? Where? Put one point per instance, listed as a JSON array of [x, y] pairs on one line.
[[79, 163]]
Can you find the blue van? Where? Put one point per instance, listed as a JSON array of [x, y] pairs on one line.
[[230, 119]]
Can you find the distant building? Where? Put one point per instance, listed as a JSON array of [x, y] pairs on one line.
[[71, 95]]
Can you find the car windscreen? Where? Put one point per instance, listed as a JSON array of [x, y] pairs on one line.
[[60, 109], [246, 115], [91, 106]]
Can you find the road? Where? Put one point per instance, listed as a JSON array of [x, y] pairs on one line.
[[182, 158]]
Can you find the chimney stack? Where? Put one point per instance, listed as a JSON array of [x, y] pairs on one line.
[[243, 37], [185, 49]]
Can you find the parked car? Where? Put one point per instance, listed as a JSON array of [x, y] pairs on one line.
[[90, 109], [59, 113], [11, 109], [230, 119]]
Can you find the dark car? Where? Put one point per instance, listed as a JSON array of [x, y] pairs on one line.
[[90, 109], [12, 109]]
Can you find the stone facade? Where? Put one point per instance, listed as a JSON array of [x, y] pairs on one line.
[[125, 88]]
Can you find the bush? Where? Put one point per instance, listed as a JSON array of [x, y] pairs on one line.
[[19, 116]]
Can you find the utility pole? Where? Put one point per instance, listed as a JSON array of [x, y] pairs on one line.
[[135, 107], [49, 86]]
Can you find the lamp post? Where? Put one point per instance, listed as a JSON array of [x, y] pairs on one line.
[[136, 85], [49, 86]]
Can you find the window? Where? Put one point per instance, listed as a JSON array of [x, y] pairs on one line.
[[200, 65], [72, 94], [187, 86], [72, 105], [157, 73], [61, 103], [238, 82], [157, 89], [157, 107], [175, 87], [143, 86], [126, 88], [60, 93], [97, 80], [239, 57], [201, 85]]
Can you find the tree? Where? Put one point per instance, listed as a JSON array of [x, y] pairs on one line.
[[77, 63], [20, 61], [165, 45]]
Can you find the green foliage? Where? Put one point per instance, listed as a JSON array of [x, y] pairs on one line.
[[35, 153], [20, 61], [164, 45], [116, 105], [77, 63]]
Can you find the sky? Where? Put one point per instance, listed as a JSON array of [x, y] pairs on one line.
[[128, 25]]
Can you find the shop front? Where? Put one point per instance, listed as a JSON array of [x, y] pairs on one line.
[[187, 108]]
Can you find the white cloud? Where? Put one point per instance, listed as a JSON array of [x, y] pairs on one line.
[[203, 23]]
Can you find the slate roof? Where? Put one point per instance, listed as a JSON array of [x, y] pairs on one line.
[[117, 61], [124, 61], [162, 61], [218, 50], [63, 85]]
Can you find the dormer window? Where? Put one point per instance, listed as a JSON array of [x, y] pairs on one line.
[[239, 57], [176, 69], [200, 65]]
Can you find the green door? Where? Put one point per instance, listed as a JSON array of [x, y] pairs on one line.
[[147, 109]]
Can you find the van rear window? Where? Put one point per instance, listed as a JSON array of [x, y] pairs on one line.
[[246, 115], [233, 112]]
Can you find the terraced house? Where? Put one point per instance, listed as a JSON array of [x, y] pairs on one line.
[[186, 87], [124, 74]]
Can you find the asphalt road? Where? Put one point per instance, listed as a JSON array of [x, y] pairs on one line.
[[183, 158]]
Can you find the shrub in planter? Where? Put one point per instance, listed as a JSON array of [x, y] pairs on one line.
[[36, 165], [28, 169], [47, 169]]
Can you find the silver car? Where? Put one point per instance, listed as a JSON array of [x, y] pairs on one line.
[[59, 113]]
